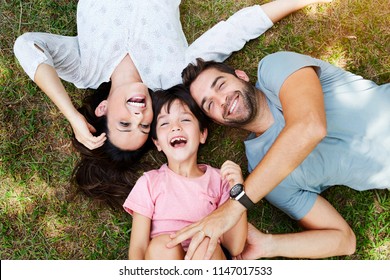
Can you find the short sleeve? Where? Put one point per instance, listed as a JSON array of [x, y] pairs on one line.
[[225, 192], [274, 69], [295, 202], [140, 199]]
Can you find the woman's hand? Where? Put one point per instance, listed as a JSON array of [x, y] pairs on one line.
[[83, 133]]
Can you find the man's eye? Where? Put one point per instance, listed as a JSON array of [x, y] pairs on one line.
[[210, 104]]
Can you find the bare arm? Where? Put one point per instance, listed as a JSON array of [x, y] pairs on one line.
[[140, 237], [249, 23], [277, 10], [235, 238], [327, 234], [47, 79], [302, 101]]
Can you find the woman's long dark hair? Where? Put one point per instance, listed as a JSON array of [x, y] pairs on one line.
[[106, 173]]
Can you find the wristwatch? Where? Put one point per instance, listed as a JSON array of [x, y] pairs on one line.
[[238, 193]]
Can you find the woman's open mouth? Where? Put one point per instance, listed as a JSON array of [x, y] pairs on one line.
[[138, 102]]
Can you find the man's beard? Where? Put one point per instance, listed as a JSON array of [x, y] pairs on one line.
[[249, 97]]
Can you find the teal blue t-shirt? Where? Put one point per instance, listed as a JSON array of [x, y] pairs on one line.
[[356, 150]]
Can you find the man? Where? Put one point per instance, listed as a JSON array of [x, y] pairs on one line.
[[313, 126]]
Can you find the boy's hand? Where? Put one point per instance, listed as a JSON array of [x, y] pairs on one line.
[[232, 173]]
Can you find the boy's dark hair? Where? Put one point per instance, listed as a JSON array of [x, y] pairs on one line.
[[163, 98], [106, 173], [192, 71]]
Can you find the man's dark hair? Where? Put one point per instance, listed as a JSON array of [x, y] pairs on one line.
[[192, 71]]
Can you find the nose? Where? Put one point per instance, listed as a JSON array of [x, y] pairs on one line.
[[175, 127], [220, 100], [138, 114]]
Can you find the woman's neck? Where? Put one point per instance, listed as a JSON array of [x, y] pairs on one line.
[[125, 73]]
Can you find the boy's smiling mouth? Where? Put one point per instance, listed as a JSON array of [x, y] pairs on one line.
[[178, 141]]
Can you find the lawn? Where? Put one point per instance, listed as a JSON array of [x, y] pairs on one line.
[[41, 214]]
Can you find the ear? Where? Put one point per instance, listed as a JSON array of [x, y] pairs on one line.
[[203, 136], [101, 109], [155, 141], [242, 75]]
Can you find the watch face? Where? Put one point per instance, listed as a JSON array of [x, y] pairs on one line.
[[236, 190]]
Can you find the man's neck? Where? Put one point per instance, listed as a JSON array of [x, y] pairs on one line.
[[264, 118]]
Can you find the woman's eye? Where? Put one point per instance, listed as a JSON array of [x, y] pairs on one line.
[[124, 124], [145, 126], [163, 124]]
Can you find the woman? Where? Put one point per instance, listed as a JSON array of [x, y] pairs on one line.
[[133, 45]]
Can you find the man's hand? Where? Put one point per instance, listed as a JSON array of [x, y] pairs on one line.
[[212, 226], [83, 133]]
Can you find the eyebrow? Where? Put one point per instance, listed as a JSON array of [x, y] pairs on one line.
[[211, 87], [160, 116]]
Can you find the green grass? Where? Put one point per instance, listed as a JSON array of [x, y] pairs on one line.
[[41, 215]]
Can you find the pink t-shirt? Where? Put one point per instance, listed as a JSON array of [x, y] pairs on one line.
[[172, 201]]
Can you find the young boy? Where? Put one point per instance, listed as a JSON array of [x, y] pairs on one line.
[[182, 191]]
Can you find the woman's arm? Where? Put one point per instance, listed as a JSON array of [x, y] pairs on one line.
[[140, 237], [249, 23], [45, 58], [47, 79]]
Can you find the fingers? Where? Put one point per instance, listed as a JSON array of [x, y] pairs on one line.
[[211, 248], [232, 172], [93, 142], [195, 242], [183, 234], [98, 141], [91, 128]]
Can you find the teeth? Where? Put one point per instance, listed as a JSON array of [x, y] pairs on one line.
[[233, 106], [137, 104], [178, 139]]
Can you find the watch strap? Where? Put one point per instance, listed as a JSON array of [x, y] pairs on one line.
[[245, 200]]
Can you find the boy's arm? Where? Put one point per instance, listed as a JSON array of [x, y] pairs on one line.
[[234, 239], [140, 237]]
